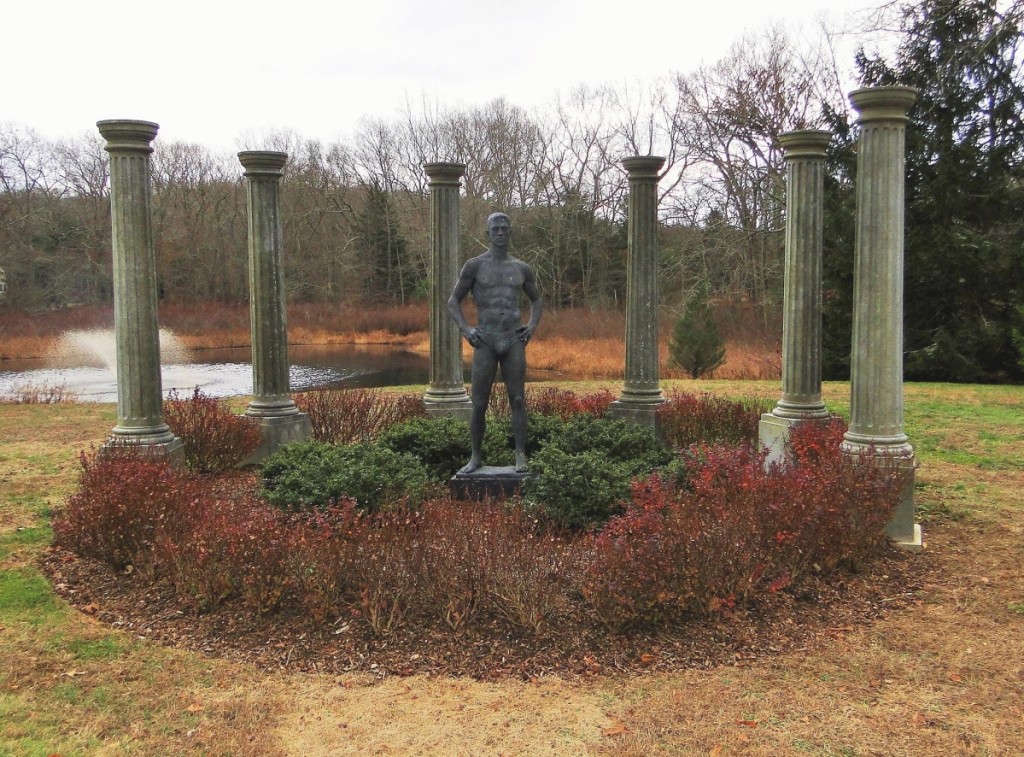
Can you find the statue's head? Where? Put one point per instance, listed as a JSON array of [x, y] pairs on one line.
[[499, 216], [499, 228]]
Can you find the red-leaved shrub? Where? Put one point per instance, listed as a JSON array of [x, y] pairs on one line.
[[553, 401], [734, 526], [491, 557], [324, 559], [347, 416], [672, 553], [687, 419], [124, 504], [838, 504], [685, 545], [213, 437]]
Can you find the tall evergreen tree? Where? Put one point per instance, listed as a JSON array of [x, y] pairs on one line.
[[695, 345], [383, 242], [964, 268]]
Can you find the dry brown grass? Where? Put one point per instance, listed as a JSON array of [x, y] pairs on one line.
[[579, 343], [944, 676]]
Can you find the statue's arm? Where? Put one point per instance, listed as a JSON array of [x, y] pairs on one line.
[[463, 287], [536, 306]]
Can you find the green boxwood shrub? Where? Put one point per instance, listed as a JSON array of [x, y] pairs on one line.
[[577, 491], [616, 440], [499, 442], [441, 444], [583, 473], [315, 474]]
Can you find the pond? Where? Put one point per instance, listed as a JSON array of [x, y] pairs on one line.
[[228, 372]]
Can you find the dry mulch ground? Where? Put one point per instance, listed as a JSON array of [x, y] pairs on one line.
[[792, 620]]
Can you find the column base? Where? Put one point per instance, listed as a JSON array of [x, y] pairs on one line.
[[271, 408], [913, 544], [901, 529], [276, 432], [161, 445], [639, 414], [453, 402], [800, 411], [773, 433]]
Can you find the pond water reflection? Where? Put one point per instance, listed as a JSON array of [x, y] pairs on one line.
[[228, 372]]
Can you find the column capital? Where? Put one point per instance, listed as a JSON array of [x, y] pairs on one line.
[[805, 143], [128, 134], [882, 103], [643, 166], [444, 174], [263, 162]]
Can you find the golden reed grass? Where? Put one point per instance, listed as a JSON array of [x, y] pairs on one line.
[[578, 343]]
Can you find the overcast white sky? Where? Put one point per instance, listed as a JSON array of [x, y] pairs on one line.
[[210, 71]]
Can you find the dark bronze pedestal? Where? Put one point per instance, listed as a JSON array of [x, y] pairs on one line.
[[487, 481]]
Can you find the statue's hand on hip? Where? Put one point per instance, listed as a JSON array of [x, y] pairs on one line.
[[524, 333]]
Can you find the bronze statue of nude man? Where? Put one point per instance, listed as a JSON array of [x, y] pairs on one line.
[[496, 280]]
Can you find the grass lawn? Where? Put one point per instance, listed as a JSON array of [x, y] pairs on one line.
[[945, 676]]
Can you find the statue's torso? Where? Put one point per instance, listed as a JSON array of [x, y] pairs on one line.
[[496, 291]]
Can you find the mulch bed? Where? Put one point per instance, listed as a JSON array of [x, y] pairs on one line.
[[795, 619]]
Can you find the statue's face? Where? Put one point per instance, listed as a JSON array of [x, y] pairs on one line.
[[499, 231]]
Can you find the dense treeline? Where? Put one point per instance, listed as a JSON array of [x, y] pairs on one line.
[[964, 248], [356, 212]]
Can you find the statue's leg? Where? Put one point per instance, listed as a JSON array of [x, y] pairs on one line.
[[513, 368], [485, 365]]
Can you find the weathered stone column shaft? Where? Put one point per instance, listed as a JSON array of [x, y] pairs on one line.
[[876, 368], [801, 329], [267, 308], [140, 417], [641, 385], [447, 389]]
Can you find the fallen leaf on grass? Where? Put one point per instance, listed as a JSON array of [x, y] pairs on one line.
[[91, 608], [194, 708], [716, 750], [956, 678], [616, 730], [73, 673], [747, 723], [647, 659]]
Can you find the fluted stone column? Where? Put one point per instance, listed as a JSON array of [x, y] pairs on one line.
[[272, 404], [641, 392], [801, 325], [446, 394], [876, 367], [140, 417]]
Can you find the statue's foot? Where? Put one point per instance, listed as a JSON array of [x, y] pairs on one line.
[[521, 465], [471, 466]]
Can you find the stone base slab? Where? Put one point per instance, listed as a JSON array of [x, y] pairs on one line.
[[459, 410], [641, 415], [913, 544], [488, 481], [277, 432], [902, 530], [173, 451], [772, 435]]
